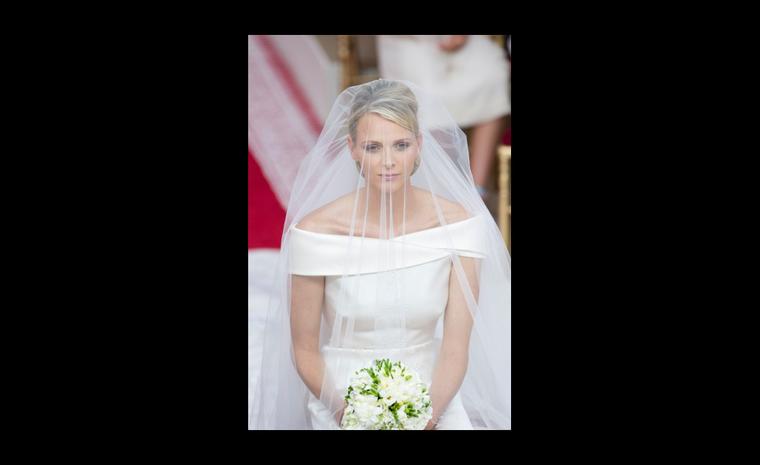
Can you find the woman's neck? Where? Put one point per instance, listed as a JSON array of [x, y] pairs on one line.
[[386, 209]]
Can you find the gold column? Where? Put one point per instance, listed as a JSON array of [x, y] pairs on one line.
[[347, 60], [505, 202]]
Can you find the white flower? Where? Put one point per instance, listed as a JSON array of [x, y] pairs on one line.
[[380, 395]]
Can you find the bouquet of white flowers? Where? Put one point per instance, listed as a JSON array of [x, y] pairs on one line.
[[386, 395]]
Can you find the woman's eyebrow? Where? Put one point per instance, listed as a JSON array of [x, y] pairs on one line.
[[368, 142]]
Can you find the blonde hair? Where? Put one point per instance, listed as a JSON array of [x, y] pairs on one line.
[[391, 100]]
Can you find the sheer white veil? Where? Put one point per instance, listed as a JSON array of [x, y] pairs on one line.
[[362, 237]]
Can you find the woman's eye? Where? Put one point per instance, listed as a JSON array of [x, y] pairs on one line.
[[372, 148], [402, 145]]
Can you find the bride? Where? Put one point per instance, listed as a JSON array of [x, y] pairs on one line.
[[388, 252]]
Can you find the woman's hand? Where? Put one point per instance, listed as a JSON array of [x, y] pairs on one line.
[[431, 424], [339, 413], [452, 43]]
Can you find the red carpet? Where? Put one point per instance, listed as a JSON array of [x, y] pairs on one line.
[[265, 215], [507, 139]]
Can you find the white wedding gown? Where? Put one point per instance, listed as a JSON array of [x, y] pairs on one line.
[[410, 272]]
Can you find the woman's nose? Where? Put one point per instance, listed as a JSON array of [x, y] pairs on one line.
[[388, 160]]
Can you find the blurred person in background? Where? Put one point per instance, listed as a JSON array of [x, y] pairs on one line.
[[469, 74]]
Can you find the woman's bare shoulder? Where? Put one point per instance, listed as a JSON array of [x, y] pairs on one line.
[[329, 218], [452, 211]]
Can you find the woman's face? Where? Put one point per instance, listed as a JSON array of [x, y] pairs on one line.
[[386, 151]]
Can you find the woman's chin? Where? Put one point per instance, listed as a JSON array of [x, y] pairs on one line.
[[389, 186]]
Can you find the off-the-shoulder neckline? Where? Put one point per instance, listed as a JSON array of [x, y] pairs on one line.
[[396, 237]]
